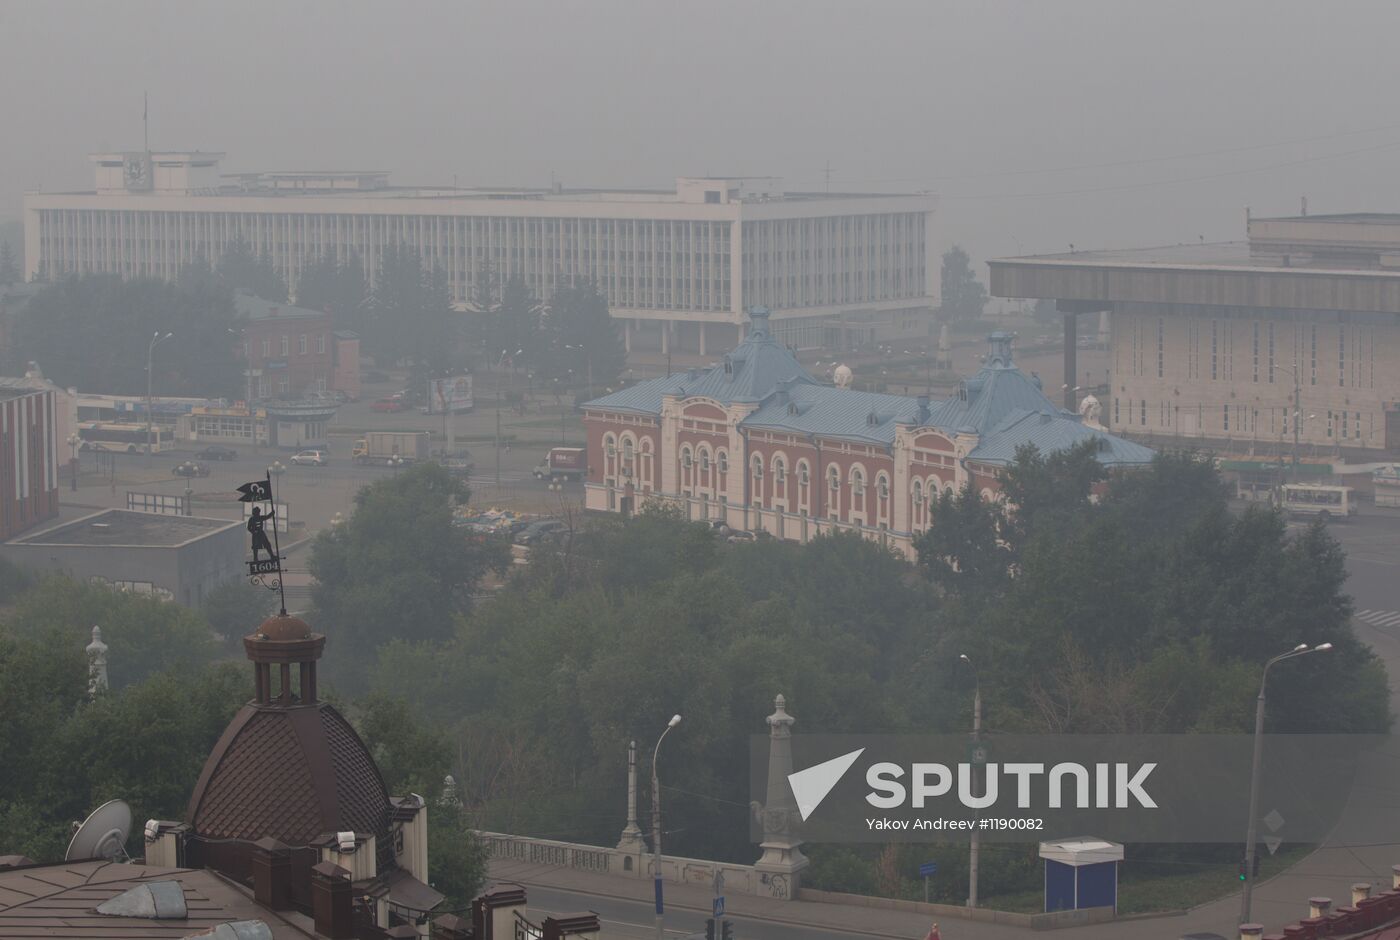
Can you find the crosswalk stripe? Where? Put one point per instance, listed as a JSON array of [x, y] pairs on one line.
[[1387, 621]]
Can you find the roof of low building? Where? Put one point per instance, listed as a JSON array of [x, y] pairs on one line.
[[125, 527], [996, 404], [60, 901], [256, 308]]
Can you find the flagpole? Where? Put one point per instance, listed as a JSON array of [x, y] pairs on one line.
[[277, 551]]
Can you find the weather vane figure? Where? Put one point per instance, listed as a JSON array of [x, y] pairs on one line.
[[256, 522], [264, 571]]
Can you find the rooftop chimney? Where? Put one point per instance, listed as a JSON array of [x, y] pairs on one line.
[[1318, 907], [271, 862], [332, 903], [1359, 892], [1251, 931]]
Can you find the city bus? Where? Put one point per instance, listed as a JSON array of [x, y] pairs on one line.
[[131, 438], [1318, 500]]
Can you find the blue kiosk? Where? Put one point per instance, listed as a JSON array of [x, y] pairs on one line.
[[1081, 872]]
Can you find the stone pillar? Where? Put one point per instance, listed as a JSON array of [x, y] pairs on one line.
[[701, 328], [1318, 907], [449, 792], [632, 840], [1104, 327], [1360, 892], [1251, 931], [97, 664], [779, 868], [627, 336]]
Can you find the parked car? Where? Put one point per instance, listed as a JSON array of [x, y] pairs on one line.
[[191, 468], [539, 531], [389, 405], [742, 537], [216, 452], [315, 457]]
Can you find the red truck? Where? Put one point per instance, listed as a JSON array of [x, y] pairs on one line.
[[563, 463]]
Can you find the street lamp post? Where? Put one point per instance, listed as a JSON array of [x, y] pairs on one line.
[[656, 829], [396, 461], [73, 442], [150, 353], [1251, 831], [275, 472], [974, 849]]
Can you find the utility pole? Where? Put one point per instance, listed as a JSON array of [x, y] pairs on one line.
[[975, 847], [498, 435], [656, 830], [150, 355]]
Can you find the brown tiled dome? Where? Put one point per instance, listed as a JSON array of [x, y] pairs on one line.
[[289, 773], [284, 627]]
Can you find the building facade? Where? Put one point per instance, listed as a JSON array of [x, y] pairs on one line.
[[678, 266], [756, 443], [292, 352], [30, 455], [1244, 346]]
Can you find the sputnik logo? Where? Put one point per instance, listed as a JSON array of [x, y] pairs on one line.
[[811, 786]]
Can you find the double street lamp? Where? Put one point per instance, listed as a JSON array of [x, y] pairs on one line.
[[73, 441], [1251, 832], [656, 829]]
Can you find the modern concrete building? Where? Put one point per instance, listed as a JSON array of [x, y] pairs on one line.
[[1242, 345], [758, 444], [678, 266], [181, 558]]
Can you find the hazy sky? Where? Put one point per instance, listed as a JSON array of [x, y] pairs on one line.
[[1039, 123]]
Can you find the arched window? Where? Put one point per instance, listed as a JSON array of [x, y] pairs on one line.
[[687, 470], [685, 457], [756, 487], [858, 481], [705, 461], [833, 502], [646, 464], [802, 475], [917, 498], [627, 449], [609, 458], [757, 467], [723, 462], [779, 471]]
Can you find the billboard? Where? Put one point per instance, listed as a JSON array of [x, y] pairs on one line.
[[450, 395]]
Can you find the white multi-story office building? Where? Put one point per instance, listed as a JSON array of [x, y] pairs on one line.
[[679, 267]]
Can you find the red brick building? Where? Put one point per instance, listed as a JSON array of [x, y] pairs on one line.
[[293, 352], [30, 454], [758, 443]]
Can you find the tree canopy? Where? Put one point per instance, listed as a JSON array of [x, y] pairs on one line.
[[340, 287], [962, 296], [240, 269], [93, 332], [397, 566]]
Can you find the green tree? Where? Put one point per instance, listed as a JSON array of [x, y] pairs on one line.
[[236, 607], [410, 314], [144, 634], [328, 284], [963, 551], [240, 268], [962, 296], [579, 340], [9, 269], [398, 567], [92, 332], [507, 322]]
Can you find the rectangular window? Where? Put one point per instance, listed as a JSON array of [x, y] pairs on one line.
[[1144, 412], [1214, 350], [1271, 352], [1226, 412], [321, 344], [1329, 423], [1314, 354], [1116, 419], [301, 345], [1161, 345], [267, 348], [1256, 350], [286, 345], [1341, 355]]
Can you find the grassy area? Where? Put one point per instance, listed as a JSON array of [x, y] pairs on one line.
[[1165, 892]]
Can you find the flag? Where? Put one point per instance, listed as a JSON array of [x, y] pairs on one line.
[[259, 491]]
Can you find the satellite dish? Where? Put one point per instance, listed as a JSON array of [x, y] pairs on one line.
[[103, 834]]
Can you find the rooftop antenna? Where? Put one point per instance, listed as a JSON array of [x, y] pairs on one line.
[[103, 834]]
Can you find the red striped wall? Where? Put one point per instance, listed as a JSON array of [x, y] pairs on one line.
[[29, 458]]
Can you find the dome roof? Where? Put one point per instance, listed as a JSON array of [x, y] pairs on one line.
[[291, 774], [284, 627]]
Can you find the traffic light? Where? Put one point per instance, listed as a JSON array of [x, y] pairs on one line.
[[728, 930], [1242, 870], [709, 928]]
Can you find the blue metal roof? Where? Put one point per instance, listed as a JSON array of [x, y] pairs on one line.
[[1002, 405], [1051, 433]]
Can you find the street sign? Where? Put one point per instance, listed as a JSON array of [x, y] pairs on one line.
[[928, 869], [719, 906]]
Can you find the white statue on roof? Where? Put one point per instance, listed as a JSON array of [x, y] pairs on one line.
[[1090, 409], [842, 376]]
